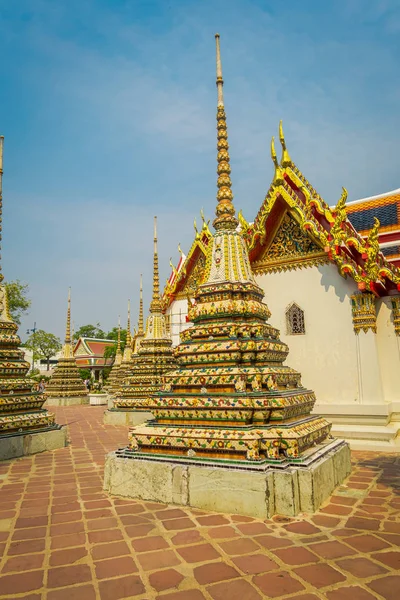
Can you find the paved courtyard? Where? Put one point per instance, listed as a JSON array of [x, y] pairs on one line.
[[63, 538]]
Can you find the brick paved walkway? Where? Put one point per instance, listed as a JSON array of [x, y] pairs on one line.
[[63, 538]]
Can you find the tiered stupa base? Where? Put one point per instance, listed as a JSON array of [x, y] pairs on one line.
[[257, 489], [30, 433]]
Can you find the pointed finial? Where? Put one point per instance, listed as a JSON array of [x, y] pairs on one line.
[[155, 305], [5, 311], [67, 350], [285, 160], [141, 320], [180, 249], [128, 325], [225, 210], [68, 326], [220, 81], [119, 337], [195, 227]]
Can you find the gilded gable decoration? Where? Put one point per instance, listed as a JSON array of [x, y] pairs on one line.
[[396, 313], [364, 312], [291, 248]]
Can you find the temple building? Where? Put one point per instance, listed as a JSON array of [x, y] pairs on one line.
[[89, 354], [66, 387], [152, 359], [332, 280], [233, 429], [25, 426]]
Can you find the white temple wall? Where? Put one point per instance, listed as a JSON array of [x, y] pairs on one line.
[[177, 312], [388, 346], [326, 354]]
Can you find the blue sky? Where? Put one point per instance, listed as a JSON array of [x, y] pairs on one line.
[[108, 112]]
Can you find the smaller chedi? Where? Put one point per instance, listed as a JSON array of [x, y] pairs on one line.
[[153, 358], [126, 358], [25, 426], [113, 378], [66, 387]]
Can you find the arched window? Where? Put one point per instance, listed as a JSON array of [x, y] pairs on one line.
[[295, 320]]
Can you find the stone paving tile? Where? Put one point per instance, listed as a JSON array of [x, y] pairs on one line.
[[63, 538]]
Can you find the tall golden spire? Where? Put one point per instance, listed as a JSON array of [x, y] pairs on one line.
[[128, 326], [225, 210], [118, 353], [1, 197], [155, 305], [67, 341], [141, 321]]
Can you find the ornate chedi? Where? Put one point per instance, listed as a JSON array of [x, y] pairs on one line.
[[21, 407], [154, 357], [126, 355], [232, 430], [232, 397], [113, 378], [66, 386]]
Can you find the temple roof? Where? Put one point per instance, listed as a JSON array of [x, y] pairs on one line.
[[385, 207], [90, 351], [319, 233], [190, 269]]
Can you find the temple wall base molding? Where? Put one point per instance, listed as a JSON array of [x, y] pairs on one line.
[[73, 401], [25, 444], [374, 427], [126, 417], [259, 494]]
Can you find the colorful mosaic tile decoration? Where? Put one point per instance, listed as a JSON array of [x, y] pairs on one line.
[[231, 398]]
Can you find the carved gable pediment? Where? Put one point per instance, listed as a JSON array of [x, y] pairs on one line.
[[290, 248], [195, 277]]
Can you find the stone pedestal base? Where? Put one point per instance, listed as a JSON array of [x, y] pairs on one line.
[[98, 399], [126, 417], [74, 401], [252, 489], [24, 444]]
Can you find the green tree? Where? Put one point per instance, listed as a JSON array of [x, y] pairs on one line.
[[43, 345], [84, 373], [18, 301], [91, 331]]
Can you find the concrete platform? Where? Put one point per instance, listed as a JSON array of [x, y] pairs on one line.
[[67, 401], [255, 490], [24, 444], [374, 427], [126, 417]]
